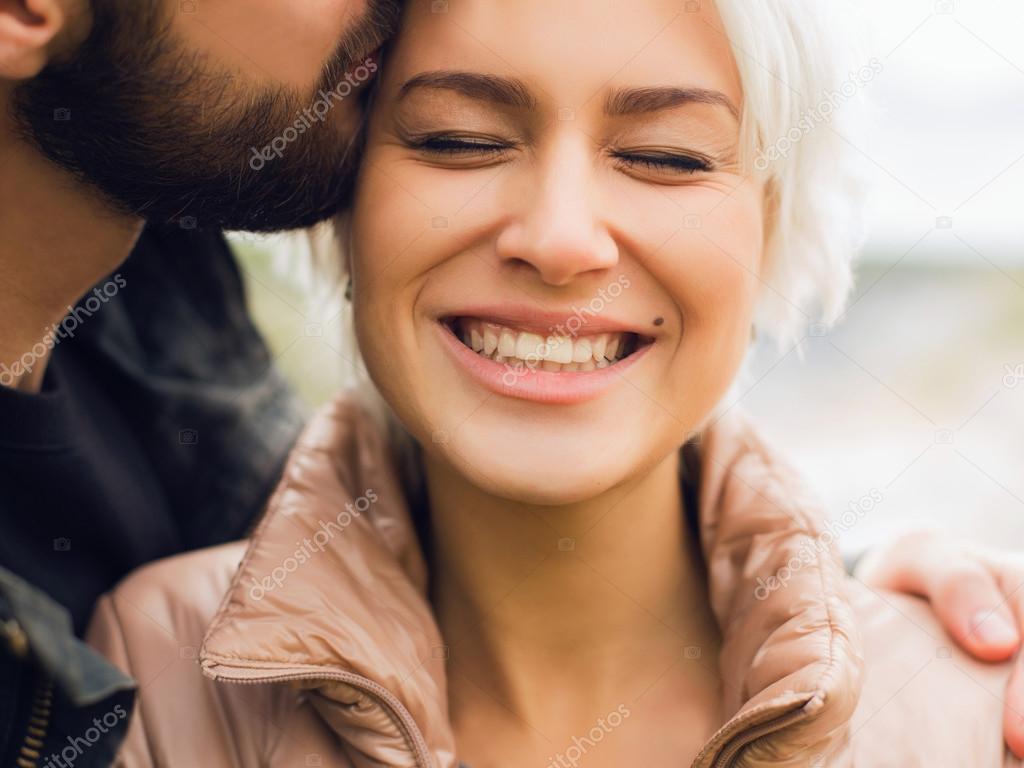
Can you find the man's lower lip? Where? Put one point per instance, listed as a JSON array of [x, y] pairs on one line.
[[515, 379]]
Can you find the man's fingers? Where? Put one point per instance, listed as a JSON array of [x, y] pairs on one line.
[[910, 562], [1013, 713], [978, 597], [974, 606], [1010, 573], [975, 611]]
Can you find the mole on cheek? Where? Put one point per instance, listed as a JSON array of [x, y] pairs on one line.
[[659, 320]]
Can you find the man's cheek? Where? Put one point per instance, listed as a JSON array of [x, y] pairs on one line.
[[266, 40]]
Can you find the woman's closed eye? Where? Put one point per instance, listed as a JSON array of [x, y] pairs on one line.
[[477, 151], [461, 149], [663, 162]]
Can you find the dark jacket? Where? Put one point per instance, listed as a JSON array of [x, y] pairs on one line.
[[176, 361]]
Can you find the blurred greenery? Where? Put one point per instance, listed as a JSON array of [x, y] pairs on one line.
[[302, 328]]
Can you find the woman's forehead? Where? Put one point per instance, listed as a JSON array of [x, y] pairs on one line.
[[569, 51]]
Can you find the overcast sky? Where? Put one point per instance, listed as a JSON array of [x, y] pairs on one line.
[[947, 137]]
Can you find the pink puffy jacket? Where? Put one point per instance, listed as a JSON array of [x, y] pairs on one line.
[[252, 654]]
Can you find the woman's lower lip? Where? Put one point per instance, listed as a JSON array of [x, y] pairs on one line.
[[514, 379]]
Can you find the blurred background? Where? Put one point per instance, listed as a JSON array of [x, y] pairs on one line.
[[916, 397], [918, 392]]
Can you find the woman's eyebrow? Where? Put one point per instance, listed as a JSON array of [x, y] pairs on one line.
[[512, 92], [500, 90], [632, 101]]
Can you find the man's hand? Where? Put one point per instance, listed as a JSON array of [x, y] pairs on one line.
[[978, 595]]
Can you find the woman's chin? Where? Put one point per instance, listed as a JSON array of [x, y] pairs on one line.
[[532, 487], [539, 470]]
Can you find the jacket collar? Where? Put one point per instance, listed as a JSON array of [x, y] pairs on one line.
[[332, 597]]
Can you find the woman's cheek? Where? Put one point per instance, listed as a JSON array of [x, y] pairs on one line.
[[715, 257], [411, 209], [387, 222], [724, 265], [715, 288]]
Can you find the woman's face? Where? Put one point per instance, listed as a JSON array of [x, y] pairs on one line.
[[556, 254]]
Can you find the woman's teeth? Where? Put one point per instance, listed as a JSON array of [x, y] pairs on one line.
[[547, 353]]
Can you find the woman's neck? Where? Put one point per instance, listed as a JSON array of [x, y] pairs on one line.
[[561, 614]]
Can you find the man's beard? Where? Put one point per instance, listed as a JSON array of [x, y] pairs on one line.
[[164, 136]]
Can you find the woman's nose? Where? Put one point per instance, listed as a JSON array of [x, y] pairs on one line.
[[559, 232]]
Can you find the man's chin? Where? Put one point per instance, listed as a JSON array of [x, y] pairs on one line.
[[259, 207], [281, 193]]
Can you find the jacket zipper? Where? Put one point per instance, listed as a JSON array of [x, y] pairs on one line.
[[730, 756], [387, 700], [38, 724], [727, 758]]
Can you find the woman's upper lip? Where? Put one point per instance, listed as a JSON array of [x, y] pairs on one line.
[[545, 322]]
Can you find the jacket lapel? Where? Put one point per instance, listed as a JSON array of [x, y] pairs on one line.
[[332, 596], [790, 662]]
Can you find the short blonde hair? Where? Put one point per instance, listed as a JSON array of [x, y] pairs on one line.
[[803, 78]]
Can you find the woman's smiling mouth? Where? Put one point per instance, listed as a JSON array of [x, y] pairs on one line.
[[527, 363]]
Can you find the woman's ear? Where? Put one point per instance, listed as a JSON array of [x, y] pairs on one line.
[[27, 30]]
